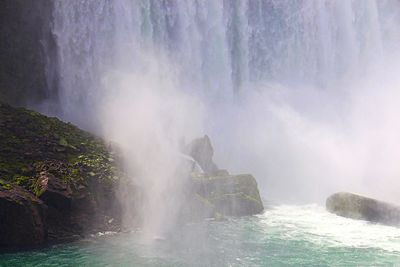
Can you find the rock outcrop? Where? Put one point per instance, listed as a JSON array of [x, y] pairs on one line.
[[58, 182], [216, 193], [363, 208]]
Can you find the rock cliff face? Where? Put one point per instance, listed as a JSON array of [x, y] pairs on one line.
[[27, 48], [363, 208]]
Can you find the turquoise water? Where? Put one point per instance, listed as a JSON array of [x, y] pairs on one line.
[[282, 236]]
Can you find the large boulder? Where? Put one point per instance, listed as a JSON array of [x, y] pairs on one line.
[[214, 192], [227, 195], [22, 217], [363, 208]]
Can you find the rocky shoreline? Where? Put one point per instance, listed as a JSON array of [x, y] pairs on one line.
[[59, 183]]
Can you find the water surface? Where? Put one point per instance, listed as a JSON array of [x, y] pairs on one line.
[[283, 236]]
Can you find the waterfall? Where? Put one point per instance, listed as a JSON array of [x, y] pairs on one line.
[[221, 46], [280, 85]]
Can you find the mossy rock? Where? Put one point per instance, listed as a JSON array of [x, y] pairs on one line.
[[5, 185], [31, 143]]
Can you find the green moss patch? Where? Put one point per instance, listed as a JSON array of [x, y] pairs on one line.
[[5, 185], [31, 143]]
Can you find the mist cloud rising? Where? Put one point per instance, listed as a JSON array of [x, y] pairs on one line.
[[149, 117], [302, 144]]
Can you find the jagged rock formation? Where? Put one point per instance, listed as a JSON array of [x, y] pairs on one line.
[[363, 208], [201, 150], [216, 192]]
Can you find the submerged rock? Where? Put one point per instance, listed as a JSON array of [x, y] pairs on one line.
[[363, 208]]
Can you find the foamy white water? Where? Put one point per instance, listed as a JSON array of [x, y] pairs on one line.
[[314, 224]]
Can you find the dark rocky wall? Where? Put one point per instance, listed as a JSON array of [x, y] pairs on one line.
[[26, 48]]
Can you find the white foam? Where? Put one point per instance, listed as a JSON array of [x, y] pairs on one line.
[[313, 223]]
